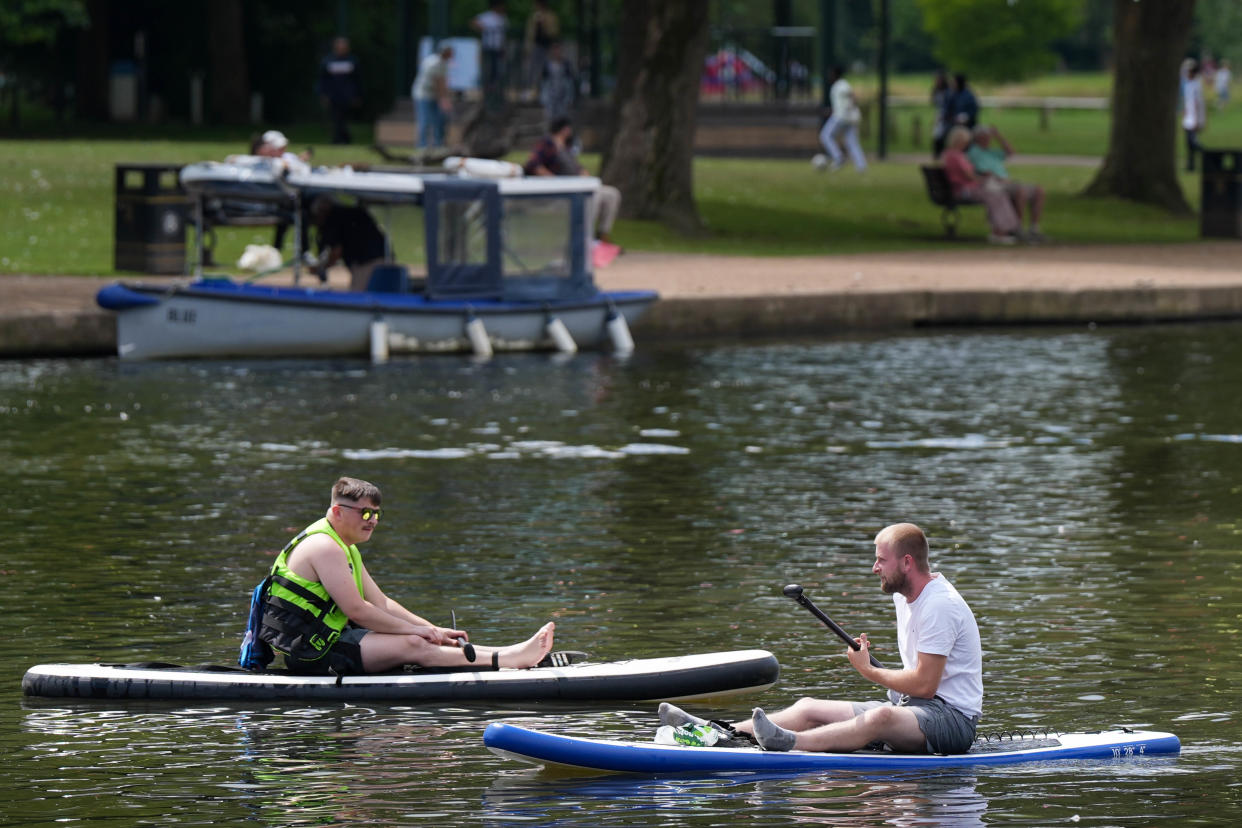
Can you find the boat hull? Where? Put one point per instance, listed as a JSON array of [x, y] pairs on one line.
[[603, 755], [696, 676], [204, 320]]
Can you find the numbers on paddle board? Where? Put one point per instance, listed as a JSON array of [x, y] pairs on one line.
[[1129, 750], [184, 316]]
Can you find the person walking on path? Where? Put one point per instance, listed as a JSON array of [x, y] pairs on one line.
[[326, 614], [934, 700], [842, 126], [339, 87]]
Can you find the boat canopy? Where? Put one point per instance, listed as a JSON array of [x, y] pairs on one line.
[[512, 239]]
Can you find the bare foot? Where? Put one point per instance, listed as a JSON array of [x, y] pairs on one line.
[[531, 651]]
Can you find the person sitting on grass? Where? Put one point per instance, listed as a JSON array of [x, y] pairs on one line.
[[989, 163], [969, 188], [554, 155]]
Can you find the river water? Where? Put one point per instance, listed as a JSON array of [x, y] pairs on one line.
[[1080, 487]]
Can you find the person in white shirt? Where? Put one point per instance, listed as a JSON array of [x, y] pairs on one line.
[[842, 126], [934, 699], [1194, 112], [432, 101], [1223, 81], [492, 26]]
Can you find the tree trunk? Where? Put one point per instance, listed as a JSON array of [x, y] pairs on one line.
[[226, 53], [650, 153], [1149, 40]]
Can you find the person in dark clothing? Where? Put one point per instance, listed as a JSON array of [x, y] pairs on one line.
[[339, 87], [963, 106], [349, 235]]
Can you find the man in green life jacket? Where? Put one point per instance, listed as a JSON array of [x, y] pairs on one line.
[[326, 614]]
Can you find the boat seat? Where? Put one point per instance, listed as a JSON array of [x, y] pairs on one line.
[[389, 278]]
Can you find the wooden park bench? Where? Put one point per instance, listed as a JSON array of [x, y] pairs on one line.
[[941, 194]]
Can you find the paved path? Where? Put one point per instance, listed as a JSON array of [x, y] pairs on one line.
[[725, 295]]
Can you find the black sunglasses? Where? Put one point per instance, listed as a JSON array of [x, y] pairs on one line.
[[366, 512]]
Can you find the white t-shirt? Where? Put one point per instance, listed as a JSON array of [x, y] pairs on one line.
[[430, 70], [491, 29], [1193, 114], [1223, 78], [841, 97], [940, 622]]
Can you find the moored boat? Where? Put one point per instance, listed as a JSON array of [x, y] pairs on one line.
[[508, 266], [695, 676]]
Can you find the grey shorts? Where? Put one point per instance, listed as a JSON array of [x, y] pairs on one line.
[[345, 657], [946, 729]]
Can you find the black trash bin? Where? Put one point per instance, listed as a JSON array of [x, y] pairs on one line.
[[151, 213], [1220, 213]]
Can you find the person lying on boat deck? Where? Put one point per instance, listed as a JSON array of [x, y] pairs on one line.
[[934, 700], [553, 155], [347, 234], [274, 144], [326, 614]]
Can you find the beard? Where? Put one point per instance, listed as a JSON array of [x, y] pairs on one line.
[[892, 585]]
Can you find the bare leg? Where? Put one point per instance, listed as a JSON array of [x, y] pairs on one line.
[[383, 651], [805, 714], [897, 726]]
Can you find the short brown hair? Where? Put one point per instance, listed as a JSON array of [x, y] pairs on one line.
[[906, 539], [351, 488]]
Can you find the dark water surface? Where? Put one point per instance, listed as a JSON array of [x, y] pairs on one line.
[[1082, 489]]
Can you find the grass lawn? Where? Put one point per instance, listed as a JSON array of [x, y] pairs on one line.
[[57, 201]]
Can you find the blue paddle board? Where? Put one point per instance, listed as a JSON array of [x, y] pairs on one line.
[[607, 755]]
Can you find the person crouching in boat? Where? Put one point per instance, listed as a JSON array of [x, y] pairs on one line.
[[934, 700], [326, 614]]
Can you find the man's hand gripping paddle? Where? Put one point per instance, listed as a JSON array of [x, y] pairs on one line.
[[794, 591]]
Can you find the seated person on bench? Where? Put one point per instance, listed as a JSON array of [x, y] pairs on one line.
[[989, 163], [971, 188]]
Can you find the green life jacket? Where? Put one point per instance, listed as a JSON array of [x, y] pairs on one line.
[[300, 619]]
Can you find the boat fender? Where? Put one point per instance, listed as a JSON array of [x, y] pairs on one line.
[[379, 340], [118, 297], [619, 333], [477, 334], [560, 335]]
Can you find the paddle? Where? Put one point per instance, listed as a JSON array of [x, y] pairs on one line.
[[794, 591], [466, 647]]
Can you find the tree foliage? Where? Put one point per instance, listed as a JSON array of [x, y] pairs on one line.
[[37, 22], [1218, 29], [999, 40]]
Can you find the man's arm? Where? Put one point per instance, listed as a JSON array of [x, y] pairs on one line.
[[1000, 139], [328, 565], [922, 682]]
